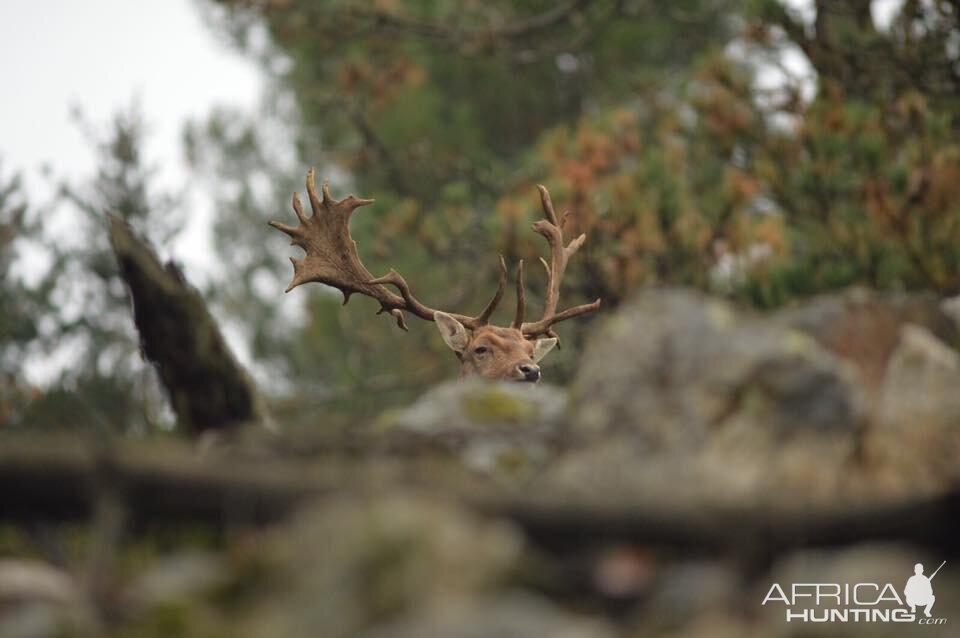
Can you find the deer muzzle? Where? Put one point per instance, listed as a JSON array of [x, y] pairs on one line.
[[528, 372]]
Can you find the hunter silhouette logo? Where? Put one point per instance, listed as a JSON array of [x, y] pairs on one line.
[[919, 591], [859, 602]]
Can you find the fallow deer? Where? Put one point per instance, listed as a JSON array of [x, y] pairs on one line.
[[484, 350]]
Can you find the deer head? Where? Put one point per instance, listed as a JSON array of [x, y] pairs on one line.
[[487, 351]]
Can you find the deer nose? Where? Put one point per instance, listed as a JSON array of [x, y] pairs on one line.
[[530, 371]]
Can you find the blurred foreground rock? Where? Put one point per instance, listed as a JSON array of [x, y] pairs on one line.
[[739, 612], [505, 429], [703, 453], [402, 565], [176, 580], [38, 600], [512, 614]]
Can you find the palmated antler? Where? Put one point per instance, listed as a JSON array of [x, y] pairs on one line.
[[552, 230], [331, 258]]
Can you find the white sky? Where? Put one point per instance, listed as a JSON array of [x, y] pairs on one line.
[[102, 55]]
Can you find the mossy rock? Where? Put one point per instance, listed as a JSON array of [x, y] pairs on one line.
[[476, 405], [500, 428]]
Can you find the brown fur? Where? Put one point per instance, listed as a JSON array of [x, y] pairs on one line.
[[507, 350]]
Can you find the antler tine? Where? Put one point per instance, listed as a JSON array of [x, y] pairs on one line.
[[547, 205], [552, 230], [484, 317], [315, 202], [521, 300], [298, 209]]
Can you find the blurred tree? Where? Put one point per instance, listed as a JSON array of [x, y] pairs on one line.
[[917, 52], [645, 118], [416, 95], [663, 188], [767, 193], [432, 108], [864, 175], [16, 325], [22, 304]]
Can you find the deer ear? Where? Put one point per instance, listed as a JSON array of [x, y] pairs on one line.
[[452, 331], [541, 347]]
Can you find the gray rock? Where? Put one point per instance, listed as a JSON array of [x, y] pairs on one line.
[[38, 600], [675, 367], [863, 326], [951, 306], [914, 442], [921, 382], [510, 615], [690, 594], [33, 580], [692, 402], [501, 428], [353, 563], [684, 400], [176, 580], [472, 404]]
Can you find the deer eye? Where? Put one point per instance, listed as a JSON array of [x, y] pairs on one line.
[[481, 350]]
